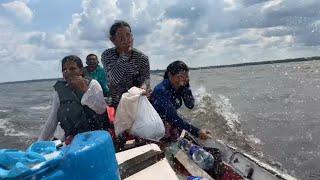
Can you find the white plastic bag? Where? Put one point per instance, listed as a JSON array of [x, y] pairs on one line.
[[147, 124], [127, 110]]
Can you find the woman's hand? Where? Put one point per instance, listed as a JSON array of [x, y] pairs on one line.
[[147, 91], [78, 83]]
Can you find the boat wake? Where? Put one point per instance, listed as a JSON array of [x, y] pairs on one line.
[[216, 113], [8, 129]]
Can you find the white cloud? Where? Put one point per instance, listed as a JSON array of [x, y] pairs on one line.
[[200, 32], [231, 4], [271, 5], [20, 9]]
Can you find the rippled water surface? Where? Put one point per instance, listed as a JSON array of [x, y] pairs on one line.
[[271, 111]]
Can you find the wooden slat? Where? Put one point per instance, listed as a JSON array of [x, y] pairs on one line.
[[139, 163]]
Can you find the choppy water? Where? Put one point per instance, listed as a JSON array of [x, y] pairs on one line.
[[271, 111]]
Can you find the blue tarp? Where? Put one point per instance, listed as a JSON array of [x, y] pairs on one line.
[[91, 155], [15, 163]]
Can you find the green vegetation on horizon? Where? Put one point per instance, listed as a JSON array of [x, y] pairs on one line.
[[314, 58]]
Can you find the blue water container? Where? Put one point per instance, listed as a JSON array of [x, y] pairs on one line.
[[91, 155]]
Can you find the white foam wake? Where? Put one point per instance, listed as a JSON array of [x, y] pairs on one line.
[[219, 111], [220, 104], [225, 108], [9, 130], [40, 107]]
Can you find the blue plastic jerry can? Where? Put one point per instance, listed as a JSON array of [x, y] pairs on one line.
[[91, 155]]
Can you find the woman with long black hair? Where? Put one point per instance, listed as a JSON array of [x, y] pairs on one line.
[[169, 95]]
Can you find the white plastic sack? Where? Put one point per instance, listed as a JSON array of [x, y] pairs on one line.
[[147, 124], [127, 110]]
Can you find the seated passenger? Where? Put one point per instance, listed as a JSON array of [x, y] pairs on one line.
[[95, 71], [78, 104], [169, 95]]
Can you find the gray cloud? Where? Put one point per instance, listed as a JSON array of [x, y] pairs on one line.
[[37, 38], [253, 2], [287, 9], [205, 24], [189, 9], [202, 32], [309, 35], [277, 31]]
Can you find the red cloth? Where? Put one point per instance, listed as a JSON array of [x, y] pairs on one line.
[[230, 174], [68, 139], [111, 114]]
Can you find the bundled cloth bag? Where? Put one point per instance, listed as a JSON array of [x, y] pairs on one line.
[[136, 114]]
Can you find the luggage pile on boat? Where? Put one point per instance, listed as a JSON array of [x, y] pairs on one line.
[[91, 155]]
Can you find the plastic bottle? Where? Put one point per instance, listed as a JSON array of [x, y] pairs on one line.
[[203, 158], [185, 145], [196, 178], [223, 148]]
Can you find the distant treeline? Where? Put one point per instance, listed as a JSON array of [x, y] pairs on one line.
[[250, 63], [33, 80], [207, 67]]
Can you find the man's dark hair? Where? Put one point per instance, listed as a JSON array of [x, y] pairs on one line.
[[73, 58], [175, 68], [91, 55], [117, 25]]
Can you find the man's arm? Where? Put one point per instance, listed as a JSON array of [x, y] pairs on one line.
[[166, 109]]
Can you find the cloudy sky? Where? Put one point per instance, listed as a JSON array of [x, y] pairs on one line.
[[36, 34]]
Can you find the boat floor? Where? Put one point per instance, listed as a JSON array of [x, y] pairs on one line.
[[158, 171], [170, 167]]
